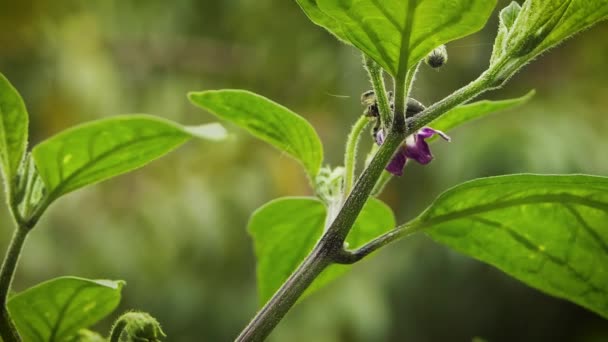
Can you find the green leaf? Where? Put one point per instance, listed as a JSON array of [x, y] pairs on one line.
[[469, 112], [398, 34], [102, 149], [57, 309], [541, 25], [550, 232], [13, 130], [266, 120], [284, 231]]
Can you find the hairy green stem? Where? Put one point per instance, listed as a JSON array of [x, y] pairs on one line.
[[276, 308], [8, 331], [377, 79], [400, 106], [350, 157]]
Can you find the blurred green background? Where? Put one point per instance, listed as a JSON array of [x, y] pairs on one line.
[[175, 230]]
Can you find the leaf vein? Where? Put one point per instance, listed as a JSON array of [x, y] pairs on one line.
[[101, 156]]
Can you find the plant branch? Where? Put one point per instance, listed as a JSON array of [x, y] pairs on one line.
[[351, 257], [350, 157]]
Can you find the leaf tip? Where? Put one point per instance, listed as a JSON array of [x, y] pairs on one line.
[[213, 131], [113, 284]]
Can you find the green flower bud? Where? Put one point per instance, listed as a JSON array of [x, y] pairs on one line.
[[136, 327]]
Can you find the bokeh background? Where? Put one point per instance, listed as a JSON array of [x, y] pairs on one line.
[[175, 230]]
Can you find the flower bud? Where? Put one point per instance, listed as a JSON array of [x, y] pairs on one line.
[[437, 58], [136, 327]]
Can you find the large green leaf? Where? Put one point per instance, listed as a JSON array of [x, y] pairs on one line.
[[99, 150], [284, 231], [13, 129], [550, 232], [56, 310], [469, 112], [266, 120], [398, 34], [538, 25]]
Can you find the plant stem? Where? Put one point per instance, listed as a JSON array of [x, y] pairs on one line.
[[276, 308], [400, 106], [350, 157], [375, 75], [8, 331]]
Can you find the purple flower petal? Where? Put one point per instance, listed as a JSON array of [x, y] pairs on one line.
[[397, 163], [418, 149], [427, 132], [415, 147]]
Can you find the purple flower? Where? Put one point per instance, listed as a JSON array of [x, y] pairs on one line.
[[415, 147]]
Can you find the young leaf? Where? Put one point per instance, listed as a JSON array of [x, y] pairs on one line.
[[99, 150], [398, 34], [266, 120], [58, 309], [469, 112], [284, 231], [547, 231], [539, 26], [13, 130], [507, 18]]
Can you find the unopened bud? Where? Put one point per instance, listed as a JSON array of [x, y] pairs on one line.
[[136, 327], [437, 58]]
